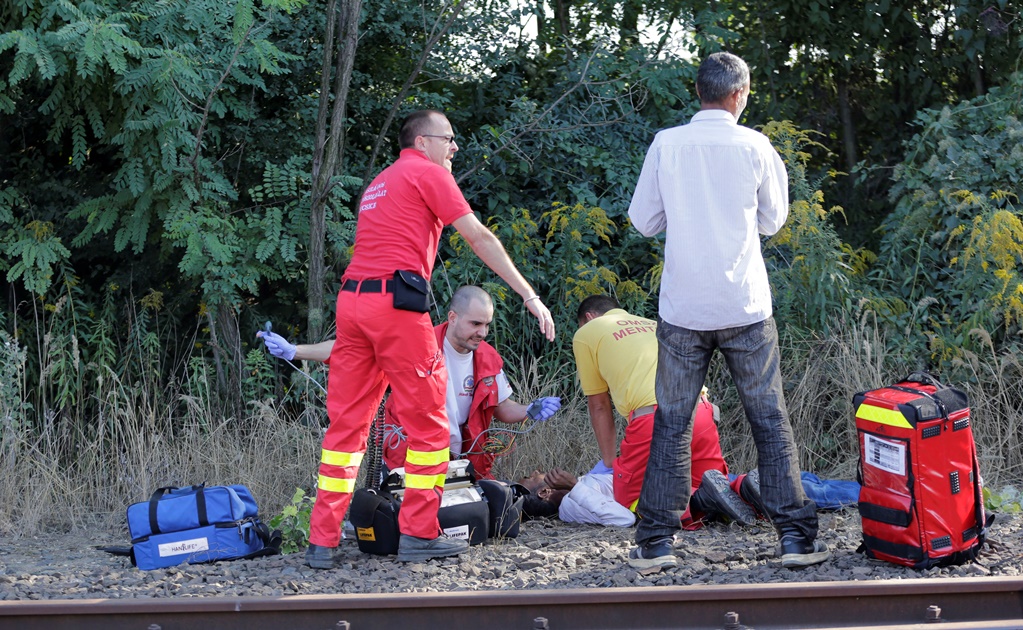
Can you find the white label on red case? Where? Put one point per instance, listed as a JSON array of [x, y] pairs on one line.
[[183, 546], [889, 456], [461, 531]]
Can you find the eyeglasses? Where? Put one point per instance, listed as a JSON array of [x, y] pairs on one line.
[[446, 139]]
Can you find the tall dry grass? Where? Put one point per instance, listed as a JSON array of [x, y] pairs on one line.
[[58, 473], [823, 374], [66, 476]]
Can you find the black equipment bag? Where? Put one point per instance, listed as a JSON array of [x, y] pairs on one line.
[[473, 511]]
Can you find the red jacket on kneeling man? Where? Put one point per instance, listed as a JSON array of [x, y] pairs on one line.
[[486, 365]]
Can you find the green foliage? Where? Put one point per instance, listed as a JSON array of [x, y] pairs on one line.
[[1008, 501], [814, 272], [858, 71], [31, 247], [954, 244], [139, 96], [258, 383], [13, 405], [293, 521]]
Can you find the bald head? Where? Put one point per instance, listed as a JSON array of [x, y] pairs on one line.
[[467, 294]]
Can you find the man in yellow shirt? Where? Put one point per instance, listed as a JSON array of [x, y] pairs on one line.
[[616, 357]]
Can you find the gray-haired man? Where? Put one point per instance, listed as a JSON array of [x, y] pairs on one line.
[[714, 186]]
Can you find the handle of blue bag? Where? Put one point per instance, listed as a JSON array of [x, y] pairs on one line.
[[200, 506], [154, 501]]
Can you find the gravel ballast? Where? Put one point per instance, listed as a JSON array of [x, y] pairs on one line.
[[546, 554]]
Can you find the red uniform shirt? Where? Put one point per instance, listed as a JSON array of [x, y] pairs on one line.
[[401, 216]]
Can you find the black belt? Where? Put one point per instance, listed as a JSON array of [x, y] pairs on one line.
[[368, 286]]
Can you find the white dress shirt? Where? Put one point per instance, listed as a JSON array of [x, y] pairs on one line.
[[592, 501], [713, 186]]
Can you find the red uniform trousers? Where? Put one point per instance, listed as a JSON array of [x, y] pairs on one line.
[[630, 466], [379, 345]]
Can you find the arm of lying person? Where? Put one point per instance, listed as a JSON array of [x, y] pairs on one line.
[[560, 479]]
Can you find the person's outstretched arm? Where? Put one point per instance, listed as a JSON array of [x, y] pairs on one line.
[[283, 349], [489, 249], [510, 411]]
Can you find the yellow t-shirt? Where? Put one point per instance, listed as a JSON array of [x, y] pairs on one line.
[[617, 353]]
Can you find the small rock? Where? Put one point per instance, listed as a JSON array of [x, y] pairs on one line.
[[716, 557], [977, 569]]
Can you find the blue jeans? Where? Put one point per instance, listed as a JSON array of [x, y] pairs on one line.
[[683, 358]]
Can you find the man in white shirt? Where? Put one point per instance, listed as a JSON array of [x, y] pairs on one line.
[[713, 187]]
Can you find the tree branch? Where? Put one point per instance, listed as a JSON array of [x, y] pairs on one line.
[[536, 121], [437, 34], [209, 101]]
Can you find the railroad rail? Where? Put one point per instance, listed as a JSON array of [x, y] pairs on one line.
[[975, 603]]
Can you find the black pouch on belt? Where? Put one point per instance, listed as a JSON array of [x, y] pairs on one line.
[[411, 292]]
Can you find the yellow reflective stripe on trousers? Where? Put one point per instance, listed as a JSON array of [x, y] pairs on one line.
[[424, 482], [881, 415], [333, 484], [338, 458], [427, 458]]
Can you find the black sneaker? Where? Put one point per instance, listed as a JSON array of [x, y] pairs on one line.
[[319, 557], [658, 553], [796, 551], [716, 497], [749, 490], [412, 549]]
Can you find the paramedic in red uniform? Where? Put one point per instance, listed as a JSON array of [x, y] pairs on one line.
[[401, 216], [478, 390]]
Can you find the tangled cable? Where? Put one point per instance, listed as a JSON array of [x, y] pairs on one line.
[[499, 441]]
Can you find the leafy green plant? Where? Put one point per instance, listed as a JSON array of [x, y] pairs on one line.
[[258, 382], [955, 237], [12, 395], [1007, 501], [293, 521], [814, 273]]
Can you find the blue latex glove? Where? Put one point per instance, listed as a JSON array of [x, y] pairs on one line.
[[542, 409], [277, 345], [600, 469]]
